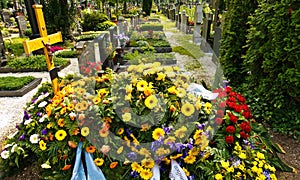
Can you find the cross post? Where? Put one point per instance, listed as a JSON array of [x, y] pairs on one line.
[[44, 42]]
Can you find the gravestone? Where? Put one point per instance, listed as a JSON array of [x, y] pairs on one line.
[[2, 49], [198, 23], [217, 38], [206, 33], [179, 21], [22, 25], [6, 17], [113, 31], [121, 25], [183, 21], [126, 27]]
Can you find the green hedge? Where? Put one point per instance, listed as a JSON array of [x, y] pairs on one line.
[[67, 54], [14, 83], [152, 27], [37, 62]]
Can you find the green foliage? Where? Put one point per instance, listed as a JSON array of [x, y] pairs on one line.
[[59, 16], [9, 83], [181, 50], [152, 27], [67, 54], [37, 62], [95, 21], [234, 39], [147, 57], [273, 63], [16, 44]]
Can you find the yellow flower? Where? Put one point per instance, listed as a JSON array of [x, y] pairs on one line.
[[230, 169], [141, 85], [260, 155], [225, 164], [207, 107], [170, 139], [187, 173], [85, 131], [148, 91], [96, 100], [273, 177], [146, 174], [197, 134], [151, 101], [136, 167], [120, 131], [157, 133], [190, 159], [145, 127], [241, 167], [180, 133], [126, 117], [160, 77], [144, 152], [128, 88], [128, 97], [176, 156], [99, 161], [148, 163], [242, 156], [254, 169], [218, 177], [162, 151], [187, 109], [181, 92], [172, 90], [60, 135], [119, 151], [42, 145]]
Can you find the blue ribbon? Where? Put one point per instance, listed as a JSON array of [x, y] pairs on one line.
[[93, 172]]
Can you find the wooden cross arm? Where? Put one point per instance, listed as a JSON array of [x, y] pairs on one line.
[[35, 44]]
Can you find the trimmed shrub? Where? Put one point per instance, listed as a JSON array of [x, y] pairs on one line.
[[152, 27]]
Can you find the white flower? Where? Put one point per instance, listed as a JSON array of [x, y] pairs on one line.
[[27, 121], [46, 166], [34, 139], [14, 148], [30, 107], [42, 104], [5, 154], [43, 118], [8, 145]]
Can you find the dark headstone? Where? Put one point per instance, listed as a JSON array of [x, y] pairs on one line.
[[6, 16], [2, 48], [113, 31]]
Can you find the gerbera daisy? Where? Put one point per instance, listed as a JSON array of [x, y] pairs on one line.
[[157, 133], [90, 149], [99, 161], [151, 101], [187, 109], [85, 131], [60, 135], [141, 85]]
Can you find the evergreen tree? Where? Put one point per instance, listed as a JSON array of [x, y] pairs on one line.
[[234, 39]]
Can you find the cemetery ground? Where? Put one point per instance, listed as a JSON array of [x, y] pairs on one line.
[[11, 108]]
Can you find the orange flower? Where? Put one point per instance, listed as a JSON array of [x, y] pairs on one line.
[[113, 165], [108, 120], [72, 144], [75, 132], [81, 117], [96, 100], [51, 136], [60, 122], [49, 110], [91, 149], [70, 107], [106, 126], [172, 108], [66, 167], [103, 132]]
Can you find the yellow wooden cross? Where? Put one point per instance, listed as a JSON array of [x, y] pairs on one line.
[[44, 42]]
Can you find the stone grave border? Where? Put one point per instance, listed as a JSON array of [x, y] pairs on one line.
[[23, 90]]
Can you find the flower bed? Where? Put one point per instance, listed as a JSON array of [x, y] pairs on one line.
[[151, 117]]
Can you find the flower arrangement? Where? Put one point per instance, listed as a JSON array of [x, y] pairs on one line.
[[91, 68], [55, 48], [145, 119]]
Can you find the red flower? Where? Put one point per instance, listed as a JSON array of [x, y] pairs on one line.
[[87, 71], [230, 129], [219, 121], [247, 114], [233, 118], [245, 126], [241, 98], [237, 108], [229, 139], [244, 135], [222, 104], [228, 89], [220, 113]]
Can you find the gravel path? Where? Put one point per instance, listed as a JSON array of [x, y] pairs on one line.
[[11, 108]]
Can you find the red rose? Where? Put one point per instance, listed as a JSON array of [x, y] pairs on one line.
[[230, 129], [241, 98], [247, 114], [231, 99], [222, 94], [245, 126], [244, 135], [237, 108], [222, 105], [220, 113], [219, 121], [229, 139], [228, 89], [233, 118], [87, 71]]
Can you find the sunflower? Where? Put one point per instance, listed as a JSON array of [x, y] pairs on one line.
[[161, 151], [120, 131], [148, 91], [113, 165], [141, 85], [148, 163], [151, 101], [96, 100], [85, 131], [136, 167], [42, 145], [60, 135], [187, 109], [170, 139], [70, 107], [181, 92], [90, 149], [99, 161], [157, 133], [189, 159], [146, 174]]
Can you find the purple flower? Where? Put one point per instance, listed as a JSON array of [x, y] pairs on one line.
[[179, 147], [40, 114], [18, 126], [22, 137], [26, 115], [168, 129], [134, 174], [236, 163], [267, 174], [34, 100], [44, 131], [200, 126], [131, 156], [191, 177], [155, 145]]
